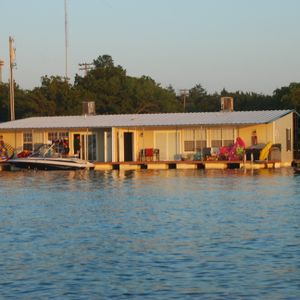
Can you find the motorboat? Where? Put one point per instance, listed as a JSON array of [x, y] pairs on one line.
[[47, 158]]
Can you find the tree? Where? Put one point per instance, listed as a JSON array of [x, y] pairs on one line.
[[4, 102], [115, 92], [199, 100]]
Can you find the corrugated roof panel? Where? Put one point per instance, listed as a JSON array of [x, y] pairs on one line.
[[137, 120]]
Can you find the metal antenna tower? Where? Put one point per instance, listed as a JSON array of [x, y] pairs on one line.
[[66, 41]]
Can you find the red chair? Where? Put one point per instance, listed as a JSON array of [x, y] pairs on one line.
[[149, 153]]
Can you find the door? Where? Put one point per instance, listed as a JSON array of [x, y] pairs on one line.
[[76, 144], [91, 147], [128, 146], [168, 143], [85, 146]]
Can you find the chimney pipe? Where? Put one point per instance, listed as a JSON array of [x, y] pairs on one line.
[[226, 104]]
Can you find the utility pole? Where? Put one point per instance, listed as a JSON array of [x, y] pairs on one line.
[[86, 67], [184, 93], [12, 64]]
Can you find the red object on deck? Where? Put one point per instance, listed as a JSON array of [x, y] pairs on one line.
[[149, 152]]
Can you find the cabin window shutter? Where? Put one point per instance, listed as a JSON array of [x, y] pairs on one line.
[[288, 139]]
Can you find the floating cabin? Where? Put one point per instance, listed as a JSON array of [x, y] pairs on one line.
[[165, 140]]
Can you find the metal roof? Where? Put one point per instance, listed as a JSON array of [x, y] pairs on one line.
[[145, 120]]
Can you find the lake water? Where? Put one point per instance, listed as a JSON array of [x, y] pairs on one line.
[[150, 235]]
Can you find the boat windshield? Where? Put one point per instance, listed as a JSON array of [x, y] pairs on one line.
[[45, 151]]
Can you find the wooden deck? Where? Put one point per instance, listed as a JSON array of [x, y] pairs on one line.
[[187, 164]]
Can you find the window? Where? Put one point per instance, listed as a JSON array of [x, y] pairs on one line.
[[60, 135], [216, 143], [228, 143], [27, 141], [52, 136], [58, 138], [188, 140], [189, 146], [63, 135], [37, 140], [194, 139], [288, 139], [216, 137], [200, 144], [200, 137], [228, 136]]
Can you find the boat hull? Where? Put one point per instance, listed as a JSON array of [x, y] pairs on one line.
[[50, 164]]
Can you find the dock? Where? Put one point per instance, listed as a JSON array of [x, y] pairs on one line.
[[184, 165]]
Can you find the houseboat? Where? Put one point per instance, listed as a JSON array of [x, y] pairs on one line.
[[164, 140]]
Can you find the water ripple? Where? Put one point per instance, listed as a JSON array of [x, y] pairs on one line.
[[171, 234]]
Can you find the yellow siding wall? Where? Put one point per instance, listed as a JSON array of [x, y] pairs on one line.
[[280, 127], [114, 142], [15, 139], [274, 132], [141, 139], [145, 139], [264, 133]]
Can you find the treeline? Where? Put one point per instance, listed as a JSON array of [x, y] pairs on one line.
[[114, 92]]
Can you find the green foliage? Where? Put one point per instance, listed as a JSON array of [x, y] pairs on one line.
[[289, 97], [116, 93], [199, 100], [4, 103]]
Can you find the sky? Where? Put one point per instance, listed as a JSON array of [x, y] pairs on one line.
[[239, 45]]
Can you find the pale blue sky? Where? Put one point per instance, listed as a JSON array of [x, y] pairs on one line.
[[247, 45]]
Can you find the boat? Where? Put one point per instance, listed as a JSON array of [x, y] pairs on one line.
[[47, 158]]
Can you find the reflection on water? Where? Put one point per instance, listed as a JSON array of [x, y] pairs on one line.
[[173, 234]]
